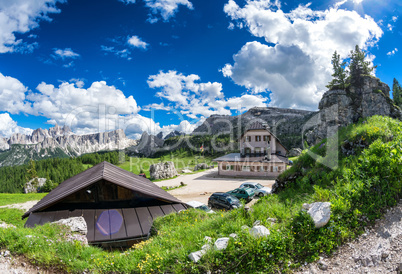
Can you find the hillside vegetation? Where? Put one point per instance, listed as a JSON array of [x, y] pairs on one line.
[[366, 182]]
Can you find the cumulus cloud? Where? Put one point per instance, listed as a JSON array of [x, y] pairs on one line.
[[21, 16], [95, 109], [8, 126], [197, 100], [165, 8], [12, 95], [65, 54], [392, 52], [136, 42], [295, 64]]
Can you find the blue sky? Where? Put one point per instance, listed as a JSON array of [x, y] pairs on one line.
[[163, 65]]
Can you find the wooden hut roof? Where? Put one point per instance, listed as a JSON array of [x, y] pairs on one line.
[[105, 171]]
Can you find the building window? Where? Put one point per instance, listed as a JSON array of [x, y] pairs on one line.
[[275, 169], [272, 169], [267, 138], [258, 168], [246, 168], [247, 151], [266, 168], [257, 138], [229, 167], [279, 168], [257, 150], [248, 138]]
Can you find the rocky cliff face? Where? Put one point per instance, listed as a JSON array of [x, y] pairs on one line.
[[286, 124], [60, 142], [147, 145], [339, 108]]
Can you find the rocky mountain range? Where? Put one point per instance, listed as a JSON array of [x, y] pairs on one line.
[[293, 127], [286, 124], [58, 142]]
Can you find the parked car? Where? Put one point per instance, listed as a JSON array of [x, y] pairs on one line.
[[260, 190], [243, 193], [223, 200], [199, 205]]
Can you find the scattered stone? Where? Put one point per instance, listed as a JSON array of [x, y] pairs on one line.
[[272, 220], [23, 264], [34, 185], [320, 213], [322, 265], [162, 171], [258, 222], [76, 224], [196, 256], [208, 239], [259, 231], [6, 253], [4, 225], [221, 243], [306, 206], [245, 227], [201, 166], [206, 247], [294, 152], [233, 235]]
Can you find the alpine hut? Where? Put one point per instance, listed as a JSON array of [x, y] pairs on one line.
[[117, 205]]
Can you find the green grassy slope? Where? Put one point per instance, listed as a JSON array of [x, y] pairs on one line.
[[360, 189]]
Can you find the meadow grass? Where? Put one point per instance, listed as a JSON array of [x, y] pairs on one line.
[[360, 190], [14, 198]]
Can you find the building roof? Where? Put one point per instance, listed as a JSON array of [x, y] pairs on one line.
[[257, 125], [105, 171], [235, 157]]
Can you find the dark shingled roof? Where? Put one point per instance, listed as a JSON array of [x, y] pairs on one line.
[[92, 175]]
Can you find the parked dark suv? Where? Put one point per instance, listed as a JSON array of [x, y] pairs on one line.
[[222, 200]]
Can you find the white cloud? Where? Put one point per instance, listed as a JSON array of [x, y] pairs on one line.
[[166, 8], [297, 66], [390, 27], [12, 95], [65, 53], [197, 100], [357, 1], [95, 109], [136, 42], [394, 18], [21, 16], [392, 52], [124, 53], [8, 126]]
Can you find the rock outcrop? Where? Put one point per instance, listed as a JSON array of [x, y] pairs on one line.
[[162, 171], [286, 124], [294, 152], [319, 212], [147, 145], [34, 185], [339, 108]]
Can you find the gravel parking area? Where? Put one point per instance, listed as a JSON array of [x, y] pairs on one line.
[[201, 185]]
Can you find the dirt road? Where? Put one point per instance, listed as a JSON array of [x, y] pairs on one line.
[[201, 185]]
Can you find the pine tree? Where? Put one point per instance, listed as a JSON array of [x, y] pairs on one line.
[[340, 75], [397, 93], [32, 174], [358, 66]]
